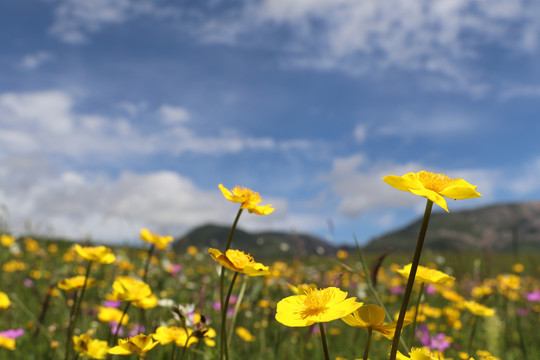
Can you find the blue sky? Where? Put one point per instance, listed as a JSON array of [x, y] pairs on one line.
[[123, 114]]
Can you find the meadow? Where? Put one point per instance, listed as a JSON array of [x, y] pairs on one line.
[[60, 300]]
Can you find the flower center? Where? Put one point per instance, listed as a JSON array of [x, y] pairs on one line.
[[315, 302], [432, 181], [239, 258]]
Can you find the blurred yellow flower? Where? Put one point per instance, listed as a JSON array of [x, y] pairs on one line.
[[31, 245], [518, 268], [75, 283], [433, 186], [239, 261], [14, 265], [4, 301], [151, 301], [248, 198], [93, 348], [106, 314], [7, 343], [372, 317], [100, 254], [244, 334], [168, 334], [127, 288], [192, 250], [426, 275], [159, 241], [416, 354], [315, 306], [478, 309], [6, 240], [138, 345], [342, 254]]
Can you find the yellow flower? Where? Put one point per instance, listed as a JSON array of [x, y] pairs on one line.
[[159, 241], [31, 245], [93, 348], [74, 283], [151, 301], [139, 345], [416, 354], [4, 301], [248, 198], [168, 334], [6, 240], [100, 254], [7, 343], [518, 268], [315, 306], [478, 309], [14, 265], [127, 288], [433, 186], [239, 261], [106, 314], [426, 275], [372, 317], [244, 334]]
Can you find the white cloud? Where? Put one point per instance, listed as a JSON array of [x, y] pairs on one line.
[[360, 132], [524, 91], [78, 205], [33, 61], [360, 188], [75, 19], [441, 124], [173, 114], [45, 122]]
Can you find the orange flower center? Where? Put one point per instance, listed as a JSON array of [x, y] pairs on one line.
[[432, 181], [239, 258], [315, 302]]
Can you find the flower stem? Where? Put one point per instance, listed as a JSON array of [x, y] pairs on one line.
[[148, 259], [120, 323], [324, 344], [413, 333], [224, 347], [368, 343], [372, 288], [410, 281], [227, 246], [75, 309]]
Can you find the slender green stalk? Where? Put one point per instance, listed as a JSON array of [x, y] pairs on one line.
[[227, 246], [368, 343], [324, 344], [120, 323], [224, 348], [185, 346], [75, 309], [148, 260], [522, 338], [237, 307], [471, 336], [372, 288], [413, 332], [410, 281], [173, 350]]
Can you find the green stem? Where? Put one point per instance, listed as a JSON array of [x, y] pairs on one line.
[[120, 323], [237, 307], [410, 281], [372, 288], [148, 259], [413, 333], [185, 346], [173, 350], [368, 343], [324, 344], [224, 347], [75, 309], [471, 337]]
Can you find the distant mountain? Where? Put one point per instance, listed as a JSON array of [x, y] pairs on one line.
[[495, 227], [263, 244]]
